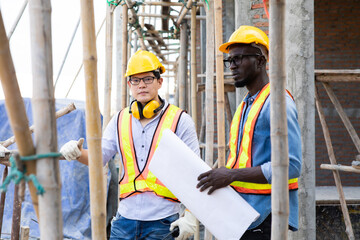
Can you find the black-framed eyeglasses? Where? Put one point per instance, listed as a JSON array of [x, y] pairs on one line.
[[136, 81], [236, 59]]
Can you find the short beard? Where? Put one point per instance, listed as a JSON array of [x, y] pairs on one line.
[[243, 83]]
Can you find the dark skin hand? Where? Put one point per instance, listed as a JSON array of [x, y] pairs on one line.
[[222, 177]]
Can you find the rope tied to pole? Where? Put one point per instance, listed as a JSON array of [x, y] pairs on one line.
[[16, 175], [113, 2], [136, 5], [184, 3]]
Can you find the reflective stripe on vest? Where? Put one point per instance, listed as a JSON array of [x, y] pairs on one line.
[[134, 181], [244, 158]]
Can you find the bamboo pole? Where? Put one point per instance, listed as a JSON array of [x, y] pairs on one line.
[[169, 4], [124, 56], [193, 87], [16, 109], [209, 90], [183, 12], [2, 198], [278, 123], [71, 107], [349, 229], [93, 124], [193, 66], [339, 168], [154, 15], [22, 9], [349, 127], [108, 65], [43, 103], [220, 98], [183, 66]]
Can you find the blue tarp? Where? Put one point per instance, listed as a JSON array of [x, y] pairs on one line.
[[75, 196]]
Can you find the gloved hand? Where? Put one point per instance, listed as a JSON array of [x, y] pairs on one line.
[[186, 224], [72, 149], [3, 149]]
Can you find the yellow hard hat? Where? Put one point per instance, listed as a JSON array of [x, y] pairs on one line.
[[143, 61], [247, 35]]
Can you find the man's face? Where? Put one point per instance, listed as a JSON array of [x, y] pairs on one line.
[[145, 92], [243, 64]]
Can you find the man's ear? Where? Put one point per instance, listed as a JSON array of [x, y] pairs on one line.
[[128, 83], [262, 61], [160, 81]]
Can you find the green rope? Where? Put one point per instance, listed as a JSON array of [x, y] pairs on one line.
[[113, 2], [207, 4], [17, 175]]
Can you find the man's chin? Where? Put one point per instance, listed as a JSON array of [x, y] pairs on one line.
[[239, 84]]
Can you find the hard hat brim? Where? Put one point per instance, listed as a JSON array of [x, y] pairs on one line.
[[224, 47]]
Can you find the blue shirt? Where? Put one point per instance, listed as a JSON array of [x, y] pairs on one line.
[[261, 156], [146, 206]]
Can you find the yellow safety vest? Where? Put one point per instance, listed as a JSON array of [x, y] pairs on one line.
[[244, 158], [135, 181]]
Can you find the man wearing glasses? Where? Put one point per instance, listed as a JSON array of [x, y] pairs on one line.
[[147, 209], [248, 169]]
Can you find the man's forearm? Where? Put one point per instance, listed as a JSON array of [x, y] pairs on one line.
[[253, 174], [84, 157]]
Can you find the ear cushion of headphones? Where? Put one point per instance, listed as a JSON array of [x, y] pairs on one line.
[[150, 107], [136, 110]]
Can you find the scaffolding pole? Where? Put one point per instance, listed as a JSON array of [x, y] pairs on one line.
[[48, 170], [278, 124], [93, 123]]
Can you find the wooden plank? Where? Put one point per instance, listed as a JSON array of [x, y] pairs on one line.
[[339, 168], [2, 198], [337, 75], [349, 229], [355, 138]]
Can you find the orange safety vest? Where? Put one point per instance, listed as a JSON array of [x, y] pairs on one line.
[[244, 158], [135, 181]]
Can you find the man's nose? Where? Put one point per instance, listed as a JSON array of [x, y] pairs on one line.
[[232, 65], [142, 83]]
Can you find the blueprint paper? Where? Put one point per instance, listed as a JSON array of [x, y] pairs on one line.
[[224, 213]]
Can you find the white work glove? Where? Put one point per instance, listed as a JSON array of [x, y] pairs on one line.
[[186, 224], [3, 150], [72, 149]]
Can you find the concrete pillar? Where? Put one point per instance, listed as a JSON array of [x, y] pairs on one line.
[[300, 76]]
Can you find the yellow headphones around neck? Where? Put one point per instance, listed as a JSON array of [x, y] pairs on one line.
[[148, 111]]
